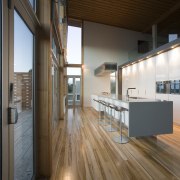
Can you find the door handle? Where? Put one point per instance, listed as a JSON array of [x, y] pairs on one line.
[[12, 115]]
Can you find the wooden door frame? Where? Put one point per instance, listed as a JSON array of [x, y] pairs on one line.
[[28, 15]]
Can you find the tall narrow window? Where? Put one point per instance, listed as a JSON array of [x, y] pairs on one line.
[[74, 45]]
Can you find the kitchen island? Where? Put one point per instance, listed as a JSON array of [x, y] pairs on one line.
[[145, 117]]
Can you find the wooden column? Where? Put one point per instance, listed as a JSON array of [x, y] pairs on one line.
[[44, 92], [154, 35], [61, 79]]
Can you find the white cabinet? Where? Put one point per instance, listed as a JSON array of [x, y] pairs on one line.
[[141, 79], [149, 78], [124, 81], [146, 78], [134, 80], [174, 64], [162, 67], [130, 79], [176, 105], [162, 97]]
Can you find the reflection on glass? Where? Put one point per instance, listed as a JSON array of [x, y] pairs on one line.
[[113, 83], [163, 87], [175, 87], [23, 130], [74, 45], [32, 2], [74, 71]]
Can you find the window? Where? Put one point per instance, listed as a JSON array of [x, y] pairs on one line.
[[33, 3], [173, 37], [74, 45], [74, 71]]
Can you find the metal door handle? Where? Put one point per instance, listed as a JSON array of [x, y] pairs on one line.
[[12, 115]]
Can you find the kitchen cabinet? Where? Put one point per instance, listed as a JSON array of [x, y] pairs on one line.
[[149, 78], [146, 78], [162, 67], [134, 80], [162, 97], [141, 79], [125, 80], [174, 64]]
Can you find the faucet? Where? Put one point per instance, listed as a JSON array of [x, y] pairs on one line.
[[127, 93]]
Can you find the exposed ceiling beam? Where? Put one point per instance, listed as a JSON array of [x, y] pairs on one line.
[[163, 16]]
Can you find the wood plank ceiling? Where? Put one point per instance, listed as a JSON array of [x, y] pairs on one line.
[[137, 15]]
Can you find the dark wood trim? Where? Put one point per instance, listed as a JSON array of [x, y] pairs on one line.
[[73, 65], [74, 22], [164, 16]]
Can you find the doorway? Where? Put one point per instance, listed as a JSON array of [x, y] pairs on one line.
[[74, 91], [18, 127]]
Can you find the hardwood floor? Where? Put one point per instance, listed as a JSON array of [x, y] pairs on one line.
[[23, 146], [86, 151]]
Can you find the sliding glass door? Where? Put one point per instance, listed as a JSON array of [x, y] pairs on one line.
[[23, 99], [19, 29]]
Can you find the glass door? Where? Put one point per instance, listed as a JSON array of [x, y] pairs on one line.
[[17, 90], [23, 99], [77, 91], [74, 90]]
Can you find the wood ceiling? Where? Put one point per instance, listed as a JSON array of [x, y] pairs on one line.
[[137, 15]]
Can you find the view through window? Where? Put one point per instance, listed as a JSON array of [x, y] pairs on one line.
[[74, 46]]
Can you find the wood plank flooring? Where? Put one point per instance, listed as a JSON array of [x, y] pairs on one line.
[[86, 151]]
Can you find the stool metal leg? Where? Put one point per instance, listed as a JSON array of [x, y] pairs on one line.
[[100, 120], [110, 128], [121, 139], [105, 123]]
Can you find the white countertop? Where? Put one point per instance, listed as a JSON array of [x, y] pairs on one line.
[[127, 100]]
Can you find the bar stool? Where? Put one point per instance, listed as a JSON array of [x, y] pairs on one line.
[[99, 105], [110, 128], [105, 105], [121, 139]]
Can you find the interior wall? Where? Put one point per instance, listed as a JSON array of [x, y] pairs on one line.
[[104, 43]]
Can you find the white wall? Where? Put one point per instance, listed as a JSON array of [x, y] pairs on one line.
[[163, 67], [104, 43]]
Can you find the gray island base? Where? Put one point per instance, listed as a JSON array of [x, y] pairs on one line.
[[145, 117]]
